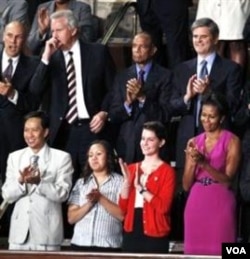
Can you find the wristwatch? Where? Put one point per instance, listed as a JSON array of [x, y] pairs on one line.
[[142, 191]]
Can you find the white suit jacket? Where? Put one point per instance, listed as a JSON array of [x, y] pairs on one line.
[[38, 207]]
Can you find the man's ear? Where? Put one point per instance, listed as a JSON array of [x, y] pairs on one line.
[[162, 143], [46, 133]]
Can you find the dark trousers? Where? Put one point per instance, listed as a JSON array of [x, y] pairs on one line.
[[75, 139], [137, 242], [171, 18]]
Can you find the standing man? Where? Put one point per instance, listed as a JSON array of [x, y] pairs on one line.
[[40, 29], [141, 93], [78, 76], [195, 77], [38, 180], [16, 71], [168, 17]]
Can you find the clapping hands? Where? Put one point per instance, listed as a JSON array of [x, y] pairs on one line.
[[194, 154], [29, 175], [93, 196]]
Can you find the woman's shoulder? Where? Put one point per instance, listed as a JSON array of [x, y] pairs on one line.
[[166, 167], [133, 166], [116, 175], [230, 136]]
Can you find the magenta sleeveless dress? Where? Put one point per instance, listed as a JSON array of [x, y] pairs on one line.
[[210, 212]]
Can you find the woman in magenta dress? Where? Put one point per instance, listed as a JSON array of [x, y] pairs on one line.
[[212, 159]]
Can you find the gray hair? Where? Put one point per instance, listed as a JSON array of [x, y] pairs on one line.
[[68, 14], [206, 22]]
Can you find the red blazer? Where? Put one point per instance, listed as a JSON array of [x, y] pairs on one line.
[[156, 213]]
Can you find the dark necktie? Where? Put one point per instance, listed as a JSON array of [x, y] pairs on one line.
[[202, 75], [141, 77], [71, 114], [8, 71], [203, 72]]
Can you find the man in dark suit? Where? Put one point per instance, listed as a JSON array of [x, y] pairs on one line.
[[139, 97], [15, 97], [171, 18], [222, 76], [93, 76], [40, 29]]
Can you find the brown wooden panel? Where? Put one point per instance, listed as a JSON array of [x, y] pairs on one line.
[[121, 54]]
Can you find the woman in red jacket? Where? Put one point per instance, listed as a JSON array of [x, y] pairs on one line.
[[146, 196]]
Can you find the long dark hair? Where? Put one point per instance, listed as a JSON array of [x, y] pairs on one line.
[[111, 159]]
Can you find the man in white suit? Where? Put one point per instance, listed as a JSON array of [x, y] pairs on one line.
[[38, 180]]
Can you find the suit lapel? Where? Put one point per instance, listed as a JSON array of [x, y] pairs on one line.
[[192, 65], [21, 70], [216, 71], [45, 161], [151, 78], [61, 79], [85, 57], [1, 50], [132, 74]]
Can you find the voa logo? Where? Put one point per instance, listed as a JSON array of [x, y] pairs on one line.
[[236, 250]]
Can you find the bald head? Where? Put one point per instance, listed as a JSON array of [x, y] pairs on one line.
[[14, 38]]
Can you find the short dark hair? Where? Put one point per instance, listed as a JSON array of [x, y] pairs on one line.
[[38, 114], [147, 35], [157, 127], [217, 100]]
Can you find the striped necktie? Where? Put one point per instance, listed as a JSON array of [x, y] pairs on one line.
[[71, 114]]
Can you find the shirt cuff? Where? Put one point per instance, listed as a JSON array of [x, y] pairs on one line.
[[188, 104], [14, 98], [128, 109]]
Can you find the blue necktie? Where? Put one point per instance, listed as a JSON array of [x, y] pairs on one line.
[[141, 77], [202, 75], [203, 72]]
